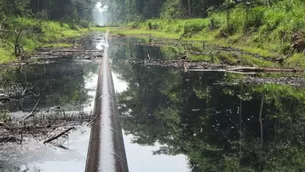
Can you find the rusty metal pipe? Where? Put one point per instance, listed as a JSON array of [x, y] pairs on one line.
[[106, 152]]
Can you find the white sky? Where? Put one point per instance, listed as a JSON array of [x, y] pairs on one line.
[[101, 9]]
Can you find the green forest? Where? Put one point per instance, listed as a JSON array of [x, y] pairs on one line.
[[28, 24], [266, 27], [65, 10]]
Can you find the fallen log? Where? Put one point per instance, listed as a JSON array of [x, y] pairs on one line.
[[196, 66], [58, 135]]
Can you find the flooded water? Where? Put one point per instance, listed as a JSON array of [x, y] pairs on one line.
[[172, 120]]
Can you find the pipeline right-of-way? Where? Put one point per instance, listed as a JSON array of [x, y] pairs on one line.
[[106, 152]]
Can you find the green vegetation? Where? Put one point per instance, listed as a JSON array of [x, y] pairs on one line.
[[49, 33], [28, 24], [57, 45], [3, 115], [265, 27], [5, 55]]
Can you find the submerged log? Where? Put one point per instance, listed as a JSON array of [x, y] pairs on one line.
[[58, 135]]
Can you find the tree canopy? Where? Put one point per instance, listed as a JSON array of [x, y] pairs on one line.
[[68, 10], [130, 10]]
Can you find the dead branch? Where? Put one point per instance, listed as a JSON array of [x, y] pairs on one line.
[[58, 135], [9, 139], [24, 91], [32, 113], [5, 125]]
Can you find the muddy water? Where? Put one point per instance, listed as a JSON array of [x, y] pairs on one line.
[[172, 120]]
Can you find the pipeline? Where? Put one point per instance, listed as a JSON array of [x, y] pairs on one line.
[[106, 151]]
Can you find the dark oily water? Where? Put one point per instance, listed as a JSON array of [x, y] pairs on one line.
[[63, 83], [172, 120], [65, 89], [218, 121], [64, 86]]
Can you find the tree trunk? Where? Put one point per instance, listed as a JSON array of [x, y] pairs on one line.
[[228, 21], [189, 8], [181, 9]]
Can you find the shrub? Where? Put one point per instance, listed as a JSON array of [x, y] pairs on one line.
[[194, 25]]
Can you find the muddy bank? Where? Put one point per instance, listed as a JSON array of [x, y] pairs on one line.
[[251, 75], [48, 55], [40, 126], [72, 52], [89, 47], [248, 80], [199, 66]]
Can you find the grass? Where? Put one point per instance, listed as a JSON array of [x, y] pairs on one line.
[[297, 60], [215, 59], [6, 56], [141, 32], [3, 115], [256, 62], [208, 37], [48, 33]]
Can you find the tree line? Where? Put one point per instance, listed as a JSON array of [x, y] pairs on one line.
[[64, 10], [131, 10]]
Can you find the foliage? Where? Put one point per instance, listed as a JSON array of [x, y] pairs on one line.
[[5, 55], [26, 24], [126, 10], [35, 34], [3, 115], [170, 9]]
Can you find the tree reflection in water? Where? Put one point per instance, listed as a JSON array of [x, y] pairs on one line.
[[239, 127], [61, 83]]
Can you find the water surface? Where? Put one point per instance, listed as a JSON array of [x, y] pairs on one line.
[[172, 120]]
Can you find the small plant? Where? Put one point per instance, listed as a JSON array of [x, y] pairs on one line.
[[4, 116]]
